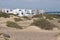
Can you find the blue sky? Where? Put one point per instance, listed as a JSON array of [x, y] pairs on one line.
[[47, 5]]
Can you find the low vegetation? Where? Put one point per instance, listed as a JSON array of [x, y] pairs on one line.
[[49, 17], [1, 33], [6, 39], [59, 21], [43, 24], [5, 36], [5, 15], [13, 24], [27, 18], [57, 35], [57, 16], [37, 16], [52, 16], [17, 19]]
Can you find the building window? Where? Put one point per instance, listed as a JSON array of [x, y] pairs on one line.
[[7, 11], [17, 13], [27, 13], [19, 10], [25, 10], [10, 10], [22, 13], [32, 13]]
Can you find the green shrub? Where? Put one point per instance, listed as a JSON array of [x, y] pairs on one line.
[[57, 16], [49, 17], [57, 35], [13, 24], [59, 21], [6, 35], [43, 24], [16, 15], [1, 33], [52, 16], [10, 14], [37, 16], [17, 19], [6, 39], [27, 18], [5, 15]]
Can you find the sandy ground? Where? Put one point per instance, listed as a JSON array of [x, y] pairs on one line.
[[29, 33]]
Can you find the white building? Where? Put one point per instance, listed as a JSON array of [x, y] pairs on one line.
[[23, 12]]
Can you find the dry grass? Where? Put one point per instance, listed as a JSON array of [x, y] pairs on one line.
[[17, 19], [43, 24], [13, 24], [59, 21]]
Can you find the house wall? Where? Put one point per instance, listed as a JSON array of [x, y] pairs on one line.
[[23, 12], [28, 12], [7, 10], [40, 11]]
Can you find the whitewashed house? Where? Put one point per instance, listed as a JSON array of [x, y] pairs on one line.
[[41, 11], [7, 11], [23, 12]]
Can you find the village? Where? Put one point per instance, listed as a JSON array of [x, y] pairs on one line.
[[29, 19], [23, 12], [28, 24]]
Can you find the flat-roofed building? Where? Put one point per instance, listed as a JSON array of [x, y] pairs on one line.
[[23, 12]]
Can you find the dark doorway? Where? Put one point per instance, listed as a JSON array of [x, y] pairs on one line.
[[22, 13], [7, 11]]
